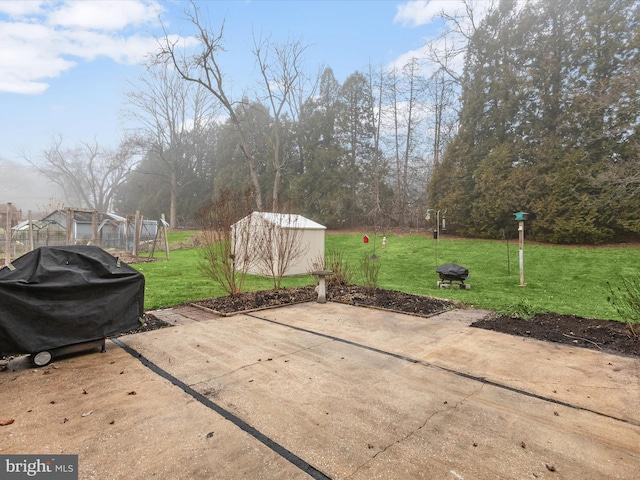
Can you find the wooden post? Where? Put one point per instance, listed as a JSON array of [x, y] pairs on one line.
[[161, 231], [155, 240], [139, 232], [94, 229], [166, 238], [31, 239], [126, 234], [70, 236], [7, 237], [136, 234], [521, 252]]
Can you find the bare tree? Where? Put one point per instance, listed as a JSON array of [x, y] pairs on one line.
[[449, 48], [173, 115], [280, 66], [277, 244], [227, 256], [410, 71], [203, 68], [406, 100], [447, 52], [376, 81], [438, 93], [88, 174]]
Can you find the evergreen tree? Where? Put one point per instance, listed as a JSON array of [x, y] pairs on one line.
[[355, 129], [318, 182], [547, 113]]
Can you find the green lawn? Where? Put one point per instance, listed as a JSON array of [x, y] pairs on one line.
[[181, 235], [561, 279], [179, 280]]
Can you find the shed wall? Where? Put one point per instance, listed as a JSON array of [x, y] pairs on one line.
[[311, 240]]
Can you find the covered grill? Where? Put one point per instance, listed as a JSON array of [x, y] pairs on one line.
[[54, 300]]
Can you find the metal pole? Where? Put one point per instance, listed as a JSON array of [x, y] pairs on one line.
[[437, 234], [521, 252]]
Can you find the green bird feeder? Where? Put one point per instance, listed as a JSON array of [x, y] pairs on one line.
[[520, 218]]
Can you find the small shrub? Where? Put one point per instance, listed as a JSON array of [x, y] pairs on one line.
[[334, 261], [523, 308], [342, 272], [225, 257], [626, 301], [370, 270]]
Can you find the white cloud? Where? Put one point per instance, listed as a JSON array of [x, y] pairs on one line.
[[421, 12], [425, 68], [454, 25], [105, 15], [415, 13], [12, 84], [18, 8], [28, 55], [89, 45], [41, 40]]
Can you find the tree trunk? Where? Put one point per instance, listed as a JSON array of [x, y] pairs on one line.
[[277, 166], [173, 221]]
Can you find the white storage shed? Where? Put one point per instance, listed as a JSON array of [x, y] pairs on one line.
[[278, 235]]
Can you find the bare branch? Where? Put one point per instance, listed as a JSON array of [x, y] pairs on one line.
[[227, 256], [280, 77], [88, 173], [203, 68]]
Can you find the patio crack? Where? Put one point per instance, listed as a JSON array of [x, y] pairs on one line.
[[443, 337], [415, 430], [260, 361]]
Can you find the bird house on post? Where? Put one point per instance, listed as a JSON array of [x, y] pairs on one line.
[[520, 218], [366, 239]]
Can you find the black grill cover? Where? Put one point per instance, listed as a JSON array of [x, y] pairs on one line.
[[451, 270], [59, 296]]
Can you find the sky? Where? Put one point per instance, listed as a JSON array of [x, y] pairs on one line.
[[65, 65]]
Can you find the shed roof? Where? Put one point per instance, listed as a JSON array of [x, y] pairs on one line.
[[79, 217], [38, 225], [288, 220]]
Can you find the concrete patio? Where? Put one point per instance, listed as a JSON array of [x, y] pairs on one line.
[[329, 391]]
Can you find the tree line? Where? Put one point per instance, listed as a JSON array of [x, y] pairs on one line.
[[356, 153], [550, 109], [344, 154], [543, 118]]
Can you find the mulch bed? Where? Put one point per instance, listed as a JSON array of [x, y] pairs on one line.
[[352, 295], [604, 335], [608, 336]]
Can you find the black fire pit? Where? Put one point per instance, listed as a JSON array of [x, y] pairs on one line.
[[450, 273]]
